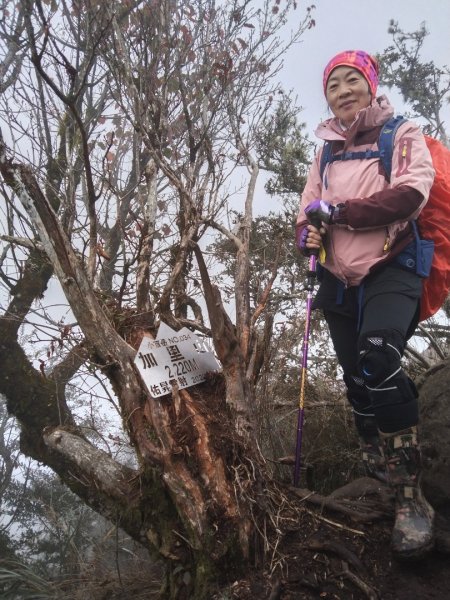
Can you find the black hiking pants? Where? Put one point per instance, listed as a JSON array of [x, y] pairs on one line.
[[369, 327]]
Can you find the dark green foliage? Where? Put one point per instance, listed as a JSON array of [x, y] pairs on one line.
[[283, 149], [423, 85], [272, 245]]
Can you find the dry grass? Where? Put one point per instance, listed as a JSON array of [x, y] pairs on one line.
[[140, 580]]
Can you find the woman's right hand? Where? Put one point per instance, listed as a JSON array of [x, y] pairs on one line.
[[314, 237]]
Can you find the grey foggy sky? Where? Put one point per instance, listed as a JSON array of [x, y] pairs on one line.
[[358, 24]]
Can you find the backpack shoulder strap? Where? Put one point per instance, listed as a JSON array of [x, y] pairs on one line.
[[325, 158], [386, 142], [384, 152]]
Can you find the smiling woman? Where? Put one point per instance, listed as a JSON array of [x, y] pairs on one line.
[[350, 81], [361, 218], [347, 92]]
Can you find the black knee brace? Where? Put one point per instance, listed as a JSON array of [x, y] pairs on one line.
[[393, 394], [359, 398], [379, 355]]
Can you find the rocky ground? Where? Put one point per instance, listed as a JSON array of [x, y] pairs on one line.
[[338, 547]]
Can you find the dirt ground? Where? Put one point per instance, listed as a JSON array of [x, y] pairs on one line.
[[325, 551]]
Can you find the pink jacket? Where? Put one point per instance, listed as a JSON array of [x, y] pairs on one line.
[[374, 213]]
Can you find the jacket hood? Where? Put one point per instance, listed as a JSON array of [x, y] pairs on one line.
[[374, 115]]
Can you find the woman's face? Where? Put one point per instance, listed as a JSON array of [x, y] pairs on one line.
[[347, 92]]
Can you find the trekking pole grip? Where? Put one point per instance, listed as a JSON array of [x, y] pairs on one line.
[[317, 223]]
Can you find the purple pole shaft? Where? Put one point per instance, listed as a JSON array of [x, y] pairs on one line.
[[305, 346]]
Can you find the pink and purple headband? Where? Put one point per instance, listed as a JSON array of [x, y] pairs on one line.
[[357, 59]]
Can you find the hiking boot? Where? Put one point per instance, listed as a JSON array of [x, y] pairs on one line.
[[373, 458], [413, 533]]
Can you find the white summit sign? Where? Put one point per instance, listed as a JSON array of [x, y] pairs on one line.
[[174, 356]]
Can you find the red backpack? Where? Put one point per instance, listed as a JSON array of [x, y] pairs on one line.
[[434, 223], [434, 220]]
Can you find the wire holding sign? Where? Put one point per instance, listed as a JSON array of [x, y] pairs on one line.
[[174, 357]]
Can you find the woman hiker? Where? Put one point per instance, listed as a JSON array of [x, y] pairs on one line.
[[361, 220]]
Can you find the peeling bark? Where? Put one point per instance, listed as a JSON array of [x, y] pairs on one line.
[[228, 351]]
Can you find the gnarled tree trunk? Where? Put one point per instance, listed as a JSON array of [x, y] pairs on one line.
[[134, 117]]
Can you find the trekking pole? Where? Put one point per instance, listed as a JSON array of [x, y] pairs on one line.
[[310, 281]]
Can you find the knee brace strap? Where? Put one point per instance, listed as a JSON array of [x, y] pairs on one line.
[[401, 389], [380, 353], [357, 394], [397, 408], [363, 412]]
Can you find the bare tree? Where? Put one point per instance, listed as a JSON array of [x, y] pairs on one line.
[[124, 129]]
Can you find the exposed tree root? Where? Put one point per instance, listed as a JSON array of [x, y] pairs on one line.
[[362, 585], [358, 511], [338, 549]]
